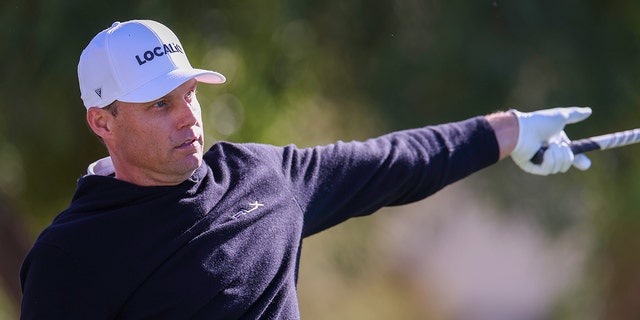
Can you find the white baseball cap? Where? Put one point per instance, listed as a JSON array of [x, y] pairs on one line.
[[135, 61]]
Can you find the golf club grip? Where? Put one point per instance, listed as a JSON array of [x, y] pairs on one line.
[[578, 146]]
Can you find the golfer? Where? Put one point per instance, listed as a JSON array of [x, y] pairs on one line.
[[164, 229]]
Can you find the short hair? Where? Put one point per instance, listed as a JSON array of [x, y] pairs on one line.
[[112, 107]]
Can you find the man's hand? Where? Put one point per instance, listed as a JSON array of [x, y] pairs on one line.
[[546, 127]]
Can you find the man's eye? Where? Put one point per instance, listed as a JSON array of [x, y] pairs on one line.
[[160, 104], [191, 94]]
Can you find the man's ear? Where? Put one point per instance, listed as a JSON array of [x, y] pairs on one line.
[[99, 121]]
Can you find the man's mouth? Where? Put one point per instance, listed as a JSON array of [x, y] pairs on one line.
[[189, 143]]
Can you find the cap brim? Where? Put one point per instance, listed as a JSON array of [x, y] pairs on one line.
[[161, 86]]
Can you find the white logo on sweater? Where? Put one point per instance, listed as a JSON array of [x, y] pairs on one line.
[[253, 206]]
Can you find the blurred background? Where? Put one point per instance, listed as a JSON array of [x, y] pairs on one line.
[[501, 244]]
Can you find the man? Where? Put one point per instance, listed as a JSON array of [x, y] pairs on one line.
[[161, 229]]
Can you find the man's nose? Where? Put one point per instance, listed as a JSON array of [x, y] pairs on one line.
[[189, 114]]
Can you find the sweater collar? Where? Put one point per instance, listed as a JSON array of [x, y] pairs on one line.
[[104, 167]]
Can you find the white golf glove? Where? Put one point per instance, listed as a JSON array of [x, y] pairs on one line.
[[546, 128]]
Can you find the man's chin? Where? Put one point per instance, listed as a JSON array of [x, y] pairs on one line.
[[193, 161]]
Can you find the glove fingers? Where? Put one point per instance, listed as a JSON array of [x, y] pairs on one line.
[[557, 158], [560, 137], [581, 162], [529, 167], [577, 114]]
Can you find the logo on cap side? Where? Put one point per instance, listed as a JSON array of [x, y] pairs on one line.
[[159, 51], [98, 92]]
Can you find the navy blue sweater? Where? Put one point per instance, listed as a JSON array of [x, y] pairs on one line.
[[225, 244]]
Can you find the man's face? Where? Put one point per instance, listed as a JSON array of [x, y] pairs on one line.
[[159, 142]]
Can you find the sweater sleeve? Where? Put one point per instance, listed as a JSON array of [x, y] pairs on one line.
[[335, 182]]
